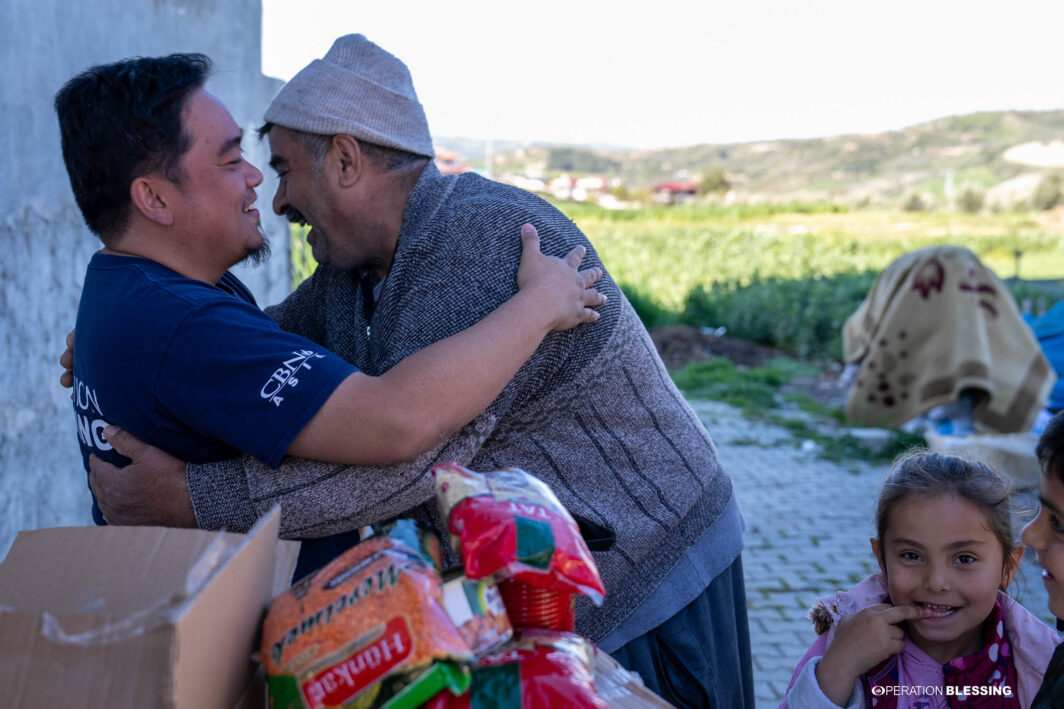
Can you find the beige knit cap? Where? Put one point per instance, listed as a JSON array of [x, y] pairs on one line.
[[357, 89]]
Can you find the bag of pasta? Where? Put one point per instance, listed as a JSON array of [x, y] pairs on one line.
[[367, 630], [541, 669], [510, 524]]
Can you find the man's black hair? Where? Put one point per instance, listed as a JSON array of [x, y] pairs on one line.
[[121, 121], [1050, 448]]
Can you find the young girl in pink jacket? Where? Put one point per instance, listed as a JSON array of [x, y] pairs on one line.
[[934, 628]]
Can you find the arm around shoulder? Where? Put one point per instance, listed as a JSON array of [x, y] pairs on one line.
[[317, 499]]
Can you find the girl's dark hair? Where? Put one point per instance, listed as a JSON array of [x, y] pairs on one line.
[[120, 121], [1050, 448], [926, 473]]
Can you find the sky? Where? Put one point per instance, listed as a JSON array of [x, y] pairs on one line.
[[670, 74]]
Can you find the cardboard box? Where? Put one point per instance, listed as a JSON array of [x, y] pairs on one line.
[[137, 616]]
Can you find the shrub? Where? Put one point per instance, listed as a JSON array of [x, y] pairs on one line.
[[801, 316], [1047, 195], [914, 203], [713, 181], [970, 200], [650, 311]]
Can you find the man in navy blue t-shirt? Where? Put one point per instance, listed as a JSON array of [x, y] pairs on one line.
[[171, 346]]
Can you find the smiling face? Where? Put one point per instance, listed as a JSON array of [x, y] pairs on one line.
[[939, 552], [310, 197], [213, 203], [353, 205], [299, 189], [1045, 534]]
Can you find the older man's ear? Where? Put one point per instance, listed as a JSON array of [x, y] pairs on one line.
[[349, 159]]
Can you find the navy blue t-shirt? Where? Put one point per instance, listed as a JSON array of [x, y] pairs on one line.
[[192, 368]]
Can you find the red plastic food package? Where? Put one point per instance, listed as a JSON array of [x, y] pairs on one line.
[[540, 670], [509, 523]]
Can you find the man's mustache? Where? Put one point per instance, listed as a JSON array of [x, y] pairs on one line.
[[295, 216]]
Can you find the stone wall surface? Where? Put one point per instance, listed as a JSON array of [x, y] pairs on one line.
[[45, 244]]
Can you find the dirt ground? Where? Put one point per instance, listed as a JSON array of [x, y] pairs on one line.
[[680, 345]]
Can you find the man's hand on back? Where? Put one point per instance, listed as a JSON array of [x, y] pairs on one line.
[[151, 490], [66, 361]]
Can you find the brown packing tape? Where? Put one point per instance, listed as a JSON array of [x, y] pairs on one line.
[[164, 612]]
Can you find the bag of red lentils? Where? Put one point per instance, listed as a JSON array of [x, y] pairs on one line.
[[368, 630], [510, 524]]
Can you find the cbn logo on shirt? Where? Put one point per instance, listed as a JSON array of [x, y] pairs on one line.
[[285, 376]]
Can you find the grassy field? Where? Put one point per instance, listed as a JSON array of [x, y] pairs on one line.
[[665, 253], [789, 276]]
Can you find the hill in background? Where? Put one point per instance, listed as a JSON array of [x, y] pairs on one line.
[[1001, 156]]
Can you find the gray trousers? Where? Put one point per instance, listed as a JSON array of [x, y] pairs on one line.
[[700, 657]]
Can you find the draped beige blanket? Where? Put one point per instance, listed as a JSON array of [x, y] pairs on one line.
[[936, 322]]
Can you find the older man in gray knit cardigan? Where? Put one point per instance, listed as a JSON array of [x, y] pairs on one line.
[[408, 257]]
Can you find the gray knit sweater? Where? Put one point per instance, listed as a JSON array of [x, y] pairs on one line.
[[593, 412]]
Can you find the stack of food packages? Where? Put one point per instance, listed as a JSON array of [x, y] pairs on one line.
[[379, 626]]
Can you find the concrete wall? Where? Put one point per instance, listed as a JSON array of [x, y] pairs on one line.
[[45, 244]]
